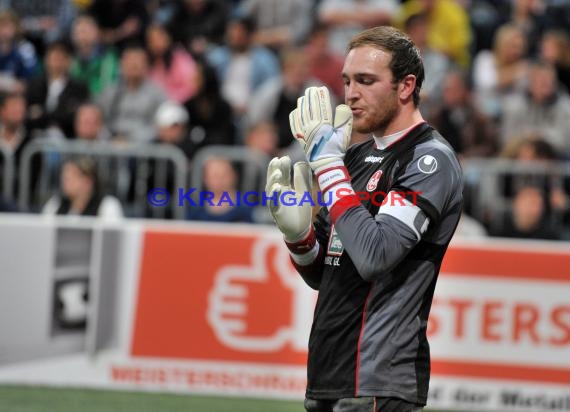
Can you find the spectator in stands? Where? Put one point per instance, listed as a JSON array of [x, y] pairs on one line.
[[171, 67], [533, 149], [54, 96], [279, 23], [529, 16], [121, 21], [89, 125], [14, 135], [241, 66], [198, 24], [555, 49], [449, 31], [543, 108], [278, 97], [171, 122], [94, 63], [82, 194], [262, 137], [39, 20], [470, 132], [502, 71], [211, 119], [436, 64], [346, 18], [220, 178], [324, 65], [18, 61], [527, 218], [130, 105]]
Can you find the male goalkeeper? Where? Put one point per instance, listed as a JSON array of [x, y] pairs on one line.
[[375, 251]]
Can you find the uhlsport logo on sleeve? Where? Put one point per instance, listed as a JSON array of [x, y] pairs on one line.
[[427, 164]]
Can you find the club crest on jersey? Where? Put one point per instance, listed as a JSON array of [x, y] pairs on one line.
[[427, 164], [373, 182]]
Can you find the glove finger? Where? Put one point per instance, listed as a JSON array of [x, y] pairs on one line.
[[271, 175], [274, 206], [302, 111], [295, 124], [342, 116], [285, 168], [306, 108], [302, 177], [320, 104]]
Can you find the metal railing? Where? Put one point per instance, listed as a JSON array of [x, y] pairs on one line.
[[7, 164], [490, 184], [128, 171]]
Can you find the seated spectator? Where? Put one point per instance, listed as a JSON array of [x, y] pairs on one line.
[[279, 23], [14, 135], [54, 96], [89, 125], [211, 119], [543, 108], [262, 137], [470, 132], [242, 68], [220, 179], [130, 105], [171, 122], [18, 60], [345, 18], [502, 71], [527, 218], [277, 98], [199, 24], [94, 63], [555, 49], [436, 64], [81, 193], [449, 31], [39, 20], [122, 22], [171, 67], [324, 65]]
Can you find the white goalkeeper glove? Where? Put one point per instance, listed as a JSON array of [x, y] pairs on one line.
[[324, 139], [292, 219]]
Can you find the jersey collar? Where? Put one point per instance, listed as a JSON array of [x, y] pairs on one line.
[[385, 142]]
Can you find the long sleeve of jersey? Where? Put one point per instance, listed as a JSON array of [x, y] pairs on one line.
[[417, 199]]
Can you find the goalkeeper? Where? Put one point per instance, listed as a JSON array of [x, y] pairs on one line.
[[375, 267]]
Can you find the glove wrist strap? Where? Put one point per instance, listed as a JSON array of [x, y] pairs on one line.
[[304, 245], [332, 176]]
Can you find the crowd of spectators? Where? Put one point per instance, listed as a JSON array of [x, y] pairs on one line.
[[193, 73]]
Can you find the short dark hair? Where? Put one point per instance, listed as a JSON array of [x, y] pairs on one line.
[[60, 45], [406, 57]]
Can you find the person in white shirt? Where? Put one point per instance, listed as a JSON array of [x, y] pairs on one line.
[[81, 194]]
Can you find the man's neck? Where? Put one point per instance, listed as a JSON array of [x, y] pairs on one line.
[[401, 122], [397, 129]]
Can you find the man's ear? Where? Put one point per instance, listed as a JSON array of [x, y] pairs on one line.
[[407, 87]]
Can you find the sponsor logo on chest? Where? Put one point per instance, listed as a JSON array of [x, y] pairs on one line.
[[373, 159]]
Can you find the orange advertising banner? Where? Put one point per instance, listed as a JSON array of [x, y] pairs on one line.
[[500, 313]]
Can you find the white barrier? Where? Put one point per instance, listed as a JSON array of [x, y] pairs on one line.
[[202, 308]]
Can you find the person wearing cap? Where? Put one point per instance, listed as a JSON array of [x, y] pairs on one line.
[[171, 123]]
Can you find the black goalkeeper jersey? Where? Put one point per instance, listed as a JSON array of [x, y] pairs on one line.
[[368, 336]]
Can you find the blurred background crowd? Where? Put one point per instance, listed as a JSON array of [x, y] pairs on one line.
[[103, 100]]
